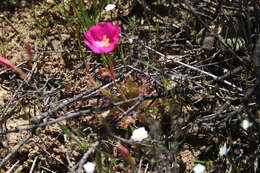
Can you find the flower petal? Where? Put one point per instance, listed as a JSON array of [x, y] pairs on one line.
[[93, 47]]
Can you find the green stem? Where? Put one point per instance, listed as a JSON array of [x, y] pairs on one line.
[[104, 60]]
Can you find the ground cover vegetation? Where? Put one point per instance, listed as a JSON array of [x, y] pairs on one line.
[[145, 86]]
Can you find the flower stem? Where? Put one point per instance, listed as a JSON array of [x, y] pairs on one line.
[[112, 73], [104, 60]]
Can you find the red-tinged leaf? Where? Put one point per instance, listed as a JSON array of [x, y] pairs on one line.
[[6, 62], [123, 151], [104, 73], [126, 121], [126, 155]]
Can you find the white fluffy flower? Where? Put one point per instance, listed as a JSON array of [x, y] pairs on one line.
[[50, 1], [89, 167], [199, 168], [245, 124], [139, 134], [223, 150], [109, 7], [130, 40]]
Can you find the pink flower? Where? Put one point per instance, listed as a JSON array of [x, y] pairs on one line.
[[102, 38], [6, 62]]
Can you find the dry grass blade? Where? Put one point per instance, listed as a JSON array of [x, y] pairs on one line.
[[86, 155]]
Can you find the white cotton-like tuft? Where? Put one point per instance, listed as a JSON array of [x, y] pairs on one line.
[[89, 167], [245, 124], [199, 168], [139, 134], [110, 7]]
